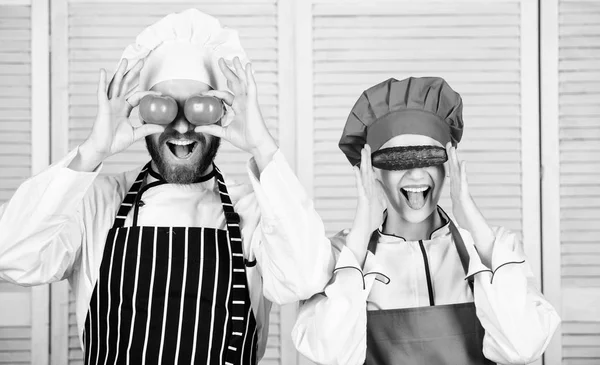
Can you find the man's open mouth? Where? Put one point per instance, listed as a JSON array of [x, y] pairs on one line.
[[182, 148], [416, 196]]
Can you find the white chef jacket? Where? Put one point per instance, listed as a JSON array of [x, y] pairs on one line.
[[518, 321], [55, 228]]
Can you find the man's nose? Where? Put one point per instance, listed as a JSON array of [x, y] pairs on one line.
[[181, 125]]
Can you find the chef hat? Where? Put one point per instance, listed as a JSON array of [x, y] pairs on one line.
[[425, 106], [187, 46]]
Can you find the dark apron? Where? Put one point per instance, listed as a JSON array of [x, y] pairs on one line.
[[435, 335], [171, 295]]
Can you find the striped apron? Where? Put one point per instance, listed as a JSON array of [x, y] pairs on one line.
[[171, 295]]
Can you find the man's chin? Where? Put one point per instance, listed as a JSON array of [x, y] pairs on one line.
[[179, 170], [190, 160], [186, 170]]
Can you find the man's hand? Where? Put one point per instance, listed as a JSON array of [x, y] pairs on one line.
[[371, 205], [112, 131], [465, 211], [248, 130]]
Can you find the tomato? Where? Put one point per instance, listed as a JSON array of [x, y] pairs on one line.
[[158, 109], [201, 110]]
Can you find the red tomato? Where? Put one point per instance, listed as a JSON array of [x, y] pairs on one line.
[[201, 110], [158, 109]]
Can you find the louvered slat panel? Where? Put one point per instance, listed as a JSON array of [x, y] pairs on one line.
[[579, 115], [15, 98], [15, 164], [97, 36], [474, 46], [581, 343], [15, 324]]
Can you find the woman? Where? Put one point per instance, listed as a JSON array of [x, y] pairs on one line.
[[398, 294]]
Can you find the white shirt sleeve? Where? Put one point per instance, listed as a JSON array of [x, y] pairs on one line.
[[289, 243], [41, 225], [518, 321], [331, 327]]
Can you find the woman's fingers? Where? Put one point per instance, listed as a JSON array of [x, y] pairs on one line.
[[369, 164], [463, 175], [358, 180], [453, 162], [363, 164]]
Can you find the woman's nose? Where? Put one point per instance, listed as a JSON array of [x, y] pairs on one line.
[[416, 173]]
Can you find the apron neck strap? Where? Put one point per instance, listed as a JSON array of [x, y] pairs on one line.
[[133, 197], [460, 247], [458, 242], [231, 217]]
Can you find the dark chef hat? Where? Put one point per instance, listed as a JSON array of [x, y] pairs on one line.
[[417, 105]]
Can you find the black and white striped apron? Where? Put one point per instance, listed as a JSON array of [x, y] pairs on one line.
[[171, 295]]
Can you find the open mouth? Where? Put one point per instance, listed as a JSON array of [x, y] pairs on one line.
[[182, 148], [416, 196]]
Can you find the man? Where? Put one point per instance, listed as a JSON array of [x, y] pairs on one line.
[[398, 293], [170, 264]]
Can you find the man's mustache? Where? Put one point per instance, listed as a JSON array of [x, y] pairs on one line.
[[171, 134]]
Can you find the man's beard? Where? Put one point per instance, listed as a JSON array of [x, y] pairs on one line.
[[182, 174]]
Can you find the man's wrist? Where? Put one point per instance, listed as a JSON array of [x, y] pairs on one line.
[[263, 153], [86, 160]]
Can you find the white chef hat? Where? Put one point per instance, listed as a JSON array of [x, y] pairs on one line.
[[187, 46]]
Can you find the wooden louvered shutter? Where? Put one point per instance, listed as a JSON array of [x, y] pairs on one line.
[[94, 35], [483, 49], [15, 97], [23, 152], [571, 141]]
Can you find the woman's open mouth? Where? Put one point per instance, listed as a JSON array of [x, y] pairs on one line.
[[182, 148], [416, 195]]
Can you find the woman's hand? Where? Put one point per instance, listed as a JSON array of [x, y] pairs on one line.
[[370, 209], [465, 211]]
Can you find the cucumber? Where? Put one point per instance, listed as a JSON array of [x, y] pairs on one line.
[[408, 157]]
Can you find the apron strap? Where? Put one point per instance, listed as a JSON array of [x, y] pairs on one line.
[[460, 247], [131, 197], [463, 254], [373, 242], [232, 219], [458, 242]]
